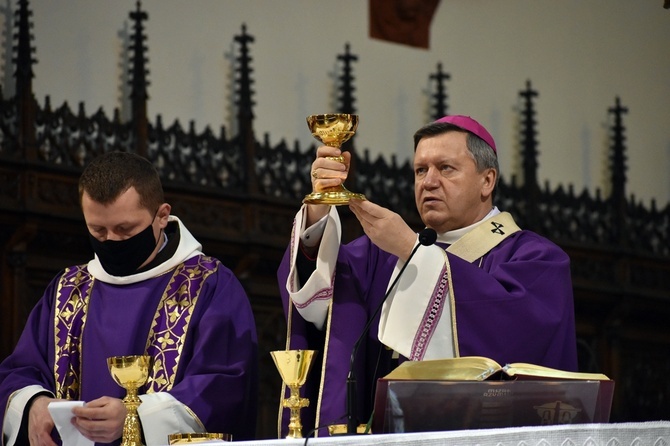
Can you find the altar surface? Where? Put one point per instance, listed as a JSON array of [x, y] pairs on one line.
[[651, 433]]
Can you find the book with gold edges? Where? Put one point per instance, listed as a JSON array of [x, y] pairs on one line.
[[475, 392], [480, 368]]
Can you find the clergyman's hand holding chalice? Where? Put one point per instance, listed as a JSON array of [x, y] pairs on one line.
[[333, 130], [131, 373]]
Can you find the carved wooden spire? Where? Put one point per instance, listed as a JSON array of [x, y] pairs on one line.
[[245, 93], [618, 159], [138, 80], [346, 87], [440, 107], [618, 155], [245, 113], [25, 100], [529, 153], [529, 138], [346, 103], [24, 50]]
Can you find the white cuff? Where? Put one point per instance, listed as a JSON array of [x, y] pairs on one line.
[[313, 298], [162, 414], [16, 405]]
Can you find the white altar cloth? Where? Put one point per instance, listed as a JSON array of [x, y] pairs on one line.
[[651, 433]]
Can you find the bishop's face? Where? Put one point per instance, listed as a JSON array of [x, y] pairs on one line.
[[449, 192]]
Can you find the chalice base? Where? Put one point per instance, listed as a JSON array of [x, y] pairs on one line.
[[295, 429], [333, 196], [341, 429]]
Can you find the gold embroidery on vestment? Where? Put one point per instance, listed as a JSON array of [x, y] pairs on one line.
[[68, 314], [176, 306]]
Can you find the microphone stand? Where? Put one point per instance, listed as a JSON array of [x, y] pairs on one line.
[[426, 238]]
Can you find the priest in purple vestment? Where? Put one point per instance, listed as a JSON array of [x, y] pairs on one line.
[[486, 288], [148, 291]]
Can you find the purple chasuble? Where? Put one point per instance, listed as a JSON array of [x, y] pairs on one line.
[[515, 304], [196, 320]]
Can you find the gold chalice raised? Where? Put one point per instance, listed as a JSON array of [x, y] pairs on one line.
[[131, 373], [332, 129], [294, 366]]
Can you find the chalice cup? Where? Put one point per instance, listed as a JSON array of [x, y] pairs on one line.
[[294, 366], [332, 129], [131, 373]]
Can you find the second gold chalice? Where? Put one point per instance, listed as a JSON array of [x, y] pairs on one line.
[[332, 129], [131, 373], [294, 366]]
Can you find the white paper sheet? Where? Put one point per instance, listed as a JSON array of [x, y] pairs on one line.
[[61, 412]]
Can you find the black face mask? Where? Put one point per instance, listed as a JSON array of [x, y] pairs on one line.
[[123, 257]]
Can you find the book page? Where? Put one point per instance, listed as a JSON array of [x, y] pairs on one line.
[[521, 369], [466, 368]]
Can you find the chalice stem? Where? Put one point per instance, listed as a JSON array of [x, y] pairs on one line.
[[131, 426], [295, 425], [295, 403], [131, 372]]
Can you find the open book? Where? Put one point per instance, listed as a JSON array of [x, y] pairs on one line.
[[474, 392], [479, 368]]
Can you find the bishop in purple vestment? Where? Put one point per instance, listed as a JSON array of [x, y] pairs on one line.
[[486, 288]]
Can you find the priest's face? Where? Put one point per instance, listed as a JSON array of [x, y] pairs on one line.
[[450, 193], [124, 219]]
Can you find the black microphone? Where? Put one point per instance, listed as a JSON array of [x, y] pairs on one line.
[[426, 238]]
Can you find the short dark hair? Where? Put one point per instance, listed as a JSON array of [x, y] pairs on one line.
[[482, 153], [110, 175]]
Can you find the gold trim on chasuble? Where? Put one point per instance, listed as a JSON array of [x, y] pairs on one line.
[[172, 318], [69, 322], [166, 336]]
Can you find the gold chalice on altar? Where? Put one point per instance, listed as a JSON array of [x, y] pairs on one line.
[[332, 129], [294, 366], [131, 373]]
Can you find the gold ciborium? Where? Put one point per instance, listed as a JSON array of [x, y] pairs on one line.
[[294, 366], [131, 373], [332, 129]]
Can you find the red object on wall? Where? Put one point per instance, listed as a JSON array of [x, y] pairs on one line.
[[402, 21]]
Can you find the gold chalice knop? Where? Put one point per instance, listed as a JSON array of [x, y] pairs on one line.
[[294, 366], [332, 129], [131, 373]]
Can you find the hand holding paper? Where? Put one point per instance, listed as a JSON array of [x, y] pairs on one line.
[[61, 412]]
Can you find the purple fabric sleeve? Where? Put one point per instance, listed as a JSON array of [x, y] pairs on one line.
[[27, 365], [518, 307]]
